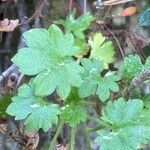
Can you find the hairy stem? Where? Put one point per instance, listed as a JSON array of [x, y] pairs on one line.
[[99, 121], [95, 129], [73, 135], [87, 137], [59, 127]]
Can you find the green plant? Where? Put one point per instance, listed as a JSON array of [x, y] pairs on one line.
[[144, 18], [51, 58]]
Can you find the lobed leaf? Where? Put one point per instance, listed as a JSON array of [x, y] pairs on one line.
[[36, 112], [76, 25], [128, 131], [84, 49], [132, 66], [121, 112], [31, 61], [125, 138], [73, 114], [102, 49], [94, 83], [49, 57]]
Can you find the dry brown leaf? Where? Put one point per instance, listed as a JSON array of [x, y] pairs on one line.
[[31, 140], [8, 25], [129, 11], [137, 41]]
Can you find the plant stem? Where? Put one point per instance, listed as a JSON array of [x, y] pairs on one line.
[[95, 129], [59, 127], [87, 137], [99, 121], [88, 103], [73, 135]]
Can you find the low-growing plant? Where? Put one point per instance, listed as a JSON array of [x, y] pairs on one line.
[[55, 61]]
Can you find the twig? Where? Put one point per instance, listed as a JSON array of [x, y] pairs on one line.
[[115, 2], [106, 14], [22, 14], [136, 81], [110, 2], [38, 12], [7, 72], [19, 79], [114, 36], [136, 43], [21, 9], [120, 48]]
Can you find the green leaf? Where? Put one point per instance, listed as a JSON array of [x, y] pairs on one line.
[[63, 89], [107, 84], [4, 102], [144, 18], [145, 117], [76, 25], [127, 129], [147, 64], [31, 61], [62, 44], [132, 66], [120, 112], [61, 78], [42, 117], [94, 83], [73, 114], [73, 111], [146, 100], [38, 39], [102, 49], [46, 83], [84, 49], [73, 97], [129, 138], [51, 59], [146, 49], [36, 112]]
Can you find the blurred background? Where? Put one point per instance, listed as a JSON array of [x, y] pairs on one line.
[[126, 24]]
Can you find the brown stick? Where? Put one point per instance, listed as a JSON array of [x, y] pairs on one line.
[[21, 9], [7, 72], [120, 48], [38, 12], [136, 81]]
